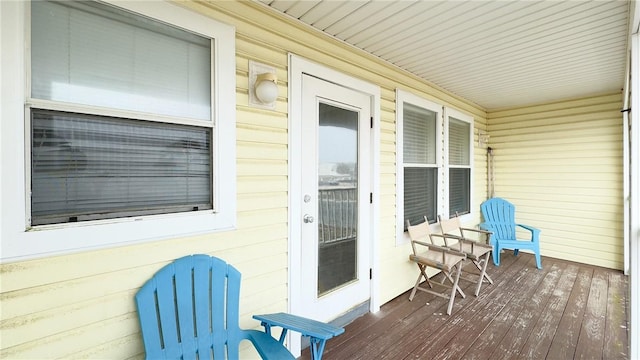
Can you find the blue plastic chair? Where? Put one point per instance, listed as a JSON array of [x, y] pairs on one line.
[[499, 218], [189, 310]]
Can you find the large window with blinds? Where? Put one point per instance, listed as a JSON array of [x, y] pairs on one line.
[[434, 161], [120, 126], [419, 150], [120, 118], [420, 165]]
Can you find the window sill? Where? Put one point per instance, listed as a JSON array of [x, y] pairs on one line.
[[47, 240]]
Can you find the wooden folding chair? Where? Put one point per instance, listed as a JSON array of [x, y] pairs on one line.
[[427, 254], [476, 251]]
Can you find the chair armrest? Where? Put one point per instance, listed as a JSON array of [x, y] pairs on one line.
[[305, 326], [479, 244], [486, 226], [534, 231], [439, 248], [317, 331], [444, 237], [458, 237], [460, 240], [482, 231], [473, 243], [440, 258], [450, 236]]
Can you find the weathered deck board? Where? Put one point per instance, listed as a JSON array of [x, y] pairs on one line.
[[591, 339], [564, 311], [564, 343], [521, 328], [539, 341], [395, 347], [488, 340], [468, 323], [615, 334]]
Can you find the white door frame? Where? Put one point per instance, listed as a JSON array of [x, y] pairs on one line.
[[297, 67], [632, 180]]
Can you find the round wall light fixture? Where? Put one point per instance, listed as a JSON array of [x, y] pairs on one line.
[[263, 86], [266, 88]]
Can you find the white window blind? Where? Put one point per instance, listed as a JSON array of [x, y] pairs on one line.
[[420, 168], [419, 129], [459, 133], [420, 190], [459, 166], [94, 54], [86, 168], [89, 167]]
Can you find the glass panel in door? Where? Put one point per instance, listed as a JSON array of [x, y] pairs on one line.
[[337, 198]]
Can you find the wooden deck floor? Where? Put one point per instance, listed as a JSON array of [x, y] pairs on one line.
[[565, 311]]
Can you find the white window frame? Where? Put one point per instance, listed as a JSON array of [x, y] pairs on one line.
[[18, 241], [442, 154], [453, 113], [403, 97]]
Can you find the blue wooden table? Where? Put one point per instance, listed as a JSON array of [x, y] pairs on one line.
[[317, 331]]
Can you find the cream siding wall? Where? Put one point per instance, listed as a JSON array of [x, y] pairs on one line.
[[561, 165], [81, 305], [267, 37]]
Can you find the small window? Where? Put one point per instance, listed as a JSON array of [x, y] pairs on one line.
[[459, 166], [419, 125]]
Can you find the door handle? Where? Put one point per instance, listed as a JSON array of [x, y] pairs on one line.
[[308, 219]]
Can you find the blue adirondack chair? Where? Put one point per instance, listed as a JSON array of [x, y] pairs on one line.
[[189, 310], [499, 218]]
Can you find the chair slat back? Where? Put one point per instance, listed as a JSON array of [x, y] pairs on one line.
[[182, 318], [500, 214]]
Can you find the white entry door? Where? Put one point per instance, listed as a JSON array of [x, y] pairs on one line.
[[335, 203]]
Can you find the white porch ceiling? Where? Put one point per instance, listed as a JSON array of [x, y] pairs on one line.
[[496, 53]]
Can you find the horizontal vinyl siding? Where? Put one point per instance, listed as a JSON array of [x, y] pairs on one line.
[[81, 305], [257, 31], [561, 165]]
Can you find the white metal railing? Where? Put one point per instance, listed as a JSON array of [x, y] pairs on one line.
[[337, 214]]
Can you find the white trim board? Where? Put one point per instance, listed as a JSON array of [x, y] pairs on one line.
[[634, 207]]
